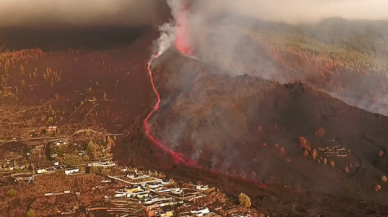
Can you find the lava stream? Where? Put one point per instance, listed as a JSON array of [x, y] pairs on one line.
[[178, 157]]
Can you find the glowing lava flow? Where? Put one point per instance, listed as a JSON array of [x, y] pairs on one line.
[[178, 157]]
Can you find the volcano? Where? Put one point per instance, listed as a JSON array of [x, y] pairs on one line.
[[250, 128]]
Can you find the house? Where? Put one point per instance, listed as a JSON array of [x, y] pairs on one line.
[[123, 193], [141, 195], [166, 213], [156, 199], [201, 211], [240, 215], [40, 171], [165, 182], [212, 214], [165, 190], [102, 164], [70, 171], [152, 206], [61, 143], [52, 129], [153, 212], [134, 189], [176, 191], [27, 178], [153, 185], [202, 187], [131, 175], [120, 194]]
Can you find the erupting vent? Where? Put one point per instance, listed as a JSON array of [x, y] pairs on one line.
[[182, 42]]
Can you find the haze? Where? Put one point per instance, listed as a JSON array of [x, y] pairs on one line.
[[76, 12], [296, 11], [143, 12]]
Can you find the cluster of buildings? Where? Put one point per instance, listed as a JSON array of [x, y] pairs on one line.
[[162, 198], [337, 151]]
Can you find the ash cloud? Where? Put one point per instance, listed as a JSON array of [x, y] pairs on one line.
[[38, 13]]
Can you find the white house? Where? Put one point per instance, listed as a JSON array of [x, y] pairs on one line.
[[202, 187], [70, 171], [120, 194], [40, 171], [131, 175], [102, 164], [176, 191], [201, 211], [142, 195]]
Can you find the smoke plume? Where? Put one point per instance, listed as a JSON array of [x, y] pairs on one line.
[[215, 31]]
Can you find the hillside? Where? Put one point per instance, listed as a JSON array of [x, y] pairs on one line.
[[249, 127]]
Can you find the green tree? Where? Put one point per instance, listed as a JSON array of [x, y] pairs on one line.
[[104, 172], [95, 170], [91, 149], [50, 109], [52, 149], [50, 120], [30, 213], [11, 193], [21, 69], [244, 200], [86, 158], [110, 141]]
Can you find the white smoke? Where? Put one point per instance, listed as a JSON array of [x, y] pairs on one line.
[[168, 30], [167, 37]]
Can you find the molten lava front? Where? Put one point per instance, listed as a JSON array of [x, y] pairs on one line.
[[178, 157], [182, 46]]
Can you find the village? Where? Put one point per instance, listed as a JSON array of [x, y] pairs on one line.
[[117, 190]]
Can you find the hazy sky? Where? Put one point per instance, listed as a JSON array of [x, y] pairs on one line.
[[139, 12], [293, 11], [76, 12]]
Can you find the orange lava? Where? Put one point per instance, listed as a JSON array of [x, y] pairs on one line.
[[178, 157]]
